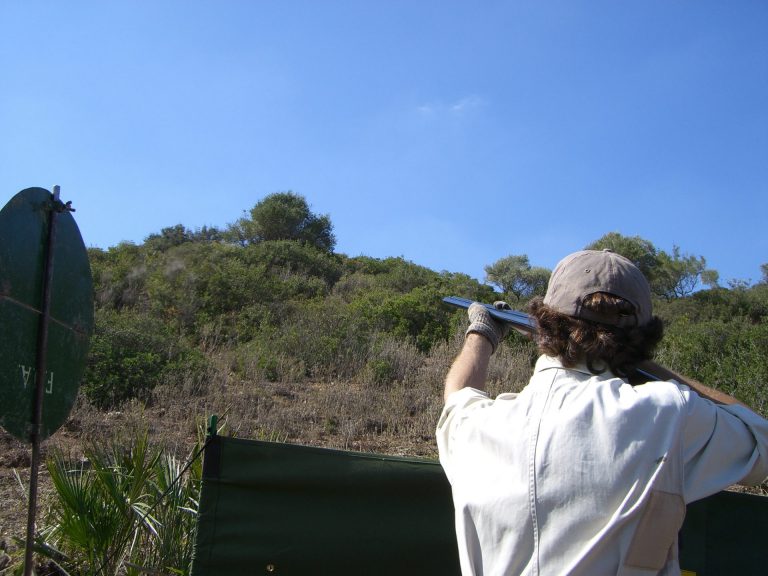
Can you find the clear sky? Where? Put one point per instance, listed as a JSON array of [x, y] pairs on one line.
[[451, 133]]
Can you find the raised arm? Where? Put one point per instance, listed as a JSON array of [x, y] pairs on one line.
[[470, 369]]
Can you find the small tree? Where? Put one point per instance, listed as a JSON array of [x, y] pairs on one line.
[[679, 275], [514, 275], [284, 216], [764, 270], [206, 234], [168, 238]]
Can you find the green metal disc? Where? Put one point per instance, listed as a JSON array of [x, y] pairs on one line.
[[23, 237]]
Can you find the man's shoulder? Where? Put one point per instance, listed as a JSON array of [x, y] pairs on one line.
[[465, 397], [658, 395]]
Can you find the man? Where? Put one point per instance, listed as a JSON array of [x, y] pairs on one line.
[[582, 472]]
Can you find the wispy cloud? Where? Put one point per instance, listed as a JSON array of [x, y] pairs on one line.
[[468, 103], [462, 106]]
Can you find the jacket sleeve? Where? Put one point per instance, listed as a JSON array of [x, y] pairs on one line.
[[722, 446], [456, 408]]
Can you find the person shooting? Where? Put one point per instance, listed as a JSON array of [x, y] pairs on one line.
[[582, 472]]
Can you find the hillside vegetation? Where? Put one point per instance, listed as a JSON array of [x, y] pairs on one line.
[[270, 297]]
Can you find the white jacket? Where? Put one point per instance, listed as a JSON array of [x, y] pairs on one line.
[[585, 474]]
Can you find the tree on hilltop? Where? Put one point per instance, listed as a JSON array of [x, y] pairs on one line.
[[173, 236], [168, 238], [284, 216]]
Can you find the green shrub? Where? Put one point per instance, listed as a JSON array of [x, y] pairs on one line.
[[124, 509], [729, 356], [380, 371], [131, 353], [119, 275]]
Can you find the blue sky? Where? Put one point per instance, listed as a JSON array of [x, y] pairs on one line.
[[450, 133]]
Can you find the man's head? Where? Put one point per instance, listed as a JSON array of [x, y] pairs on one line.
[[597, 310], [581, 274]]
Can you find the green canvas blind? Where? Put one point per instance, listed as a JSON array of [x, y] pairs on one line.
[[271, 508]]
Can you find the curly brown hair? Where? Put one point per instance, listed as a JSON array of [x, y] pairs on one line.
[[599, 345]]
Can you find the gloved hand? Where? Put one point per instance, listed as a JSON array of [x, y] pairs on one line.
[[481, 322]]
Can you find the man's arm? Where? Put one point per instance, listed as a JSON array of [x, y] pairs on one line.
[[470, 369], [716, 396]]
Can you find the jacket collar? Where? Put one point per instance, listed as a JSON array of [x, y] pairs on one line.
[[548, 362]]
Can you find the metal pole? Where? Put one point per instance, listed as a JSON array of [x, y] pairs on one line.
[[41, 367]]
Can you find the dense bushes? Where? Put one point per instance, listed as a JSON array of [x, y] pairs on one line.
[[720, 337], [130, 353], [727, 355], [288, 310], [281, 309]]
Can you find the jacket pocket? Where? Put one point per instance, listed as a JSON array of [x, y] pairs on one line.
[[657, 531]]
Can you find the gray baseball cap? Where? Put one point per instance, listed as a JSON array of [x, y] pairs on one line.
[[583, 273]]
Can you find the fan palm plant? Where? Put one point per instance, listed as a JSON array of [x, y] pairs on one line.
[[124, 510]]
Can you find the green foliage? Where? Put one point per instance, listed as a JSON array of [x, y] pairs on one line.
[[381, 371], [395, 274], [284, 216], [332, 335], [750, 304], [119, 275], [177, 235], [293, 260], [405, 300], [417, 316], [215, 279], [124, 509], [678, 275], [127, 355], [757, 297], [168, 238], [323, 335], [728, 355], [130, 353], [514, 275]]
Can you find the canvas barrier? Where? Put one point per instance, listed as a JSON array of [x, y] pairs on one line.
[[270, 508], [282, 509]]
